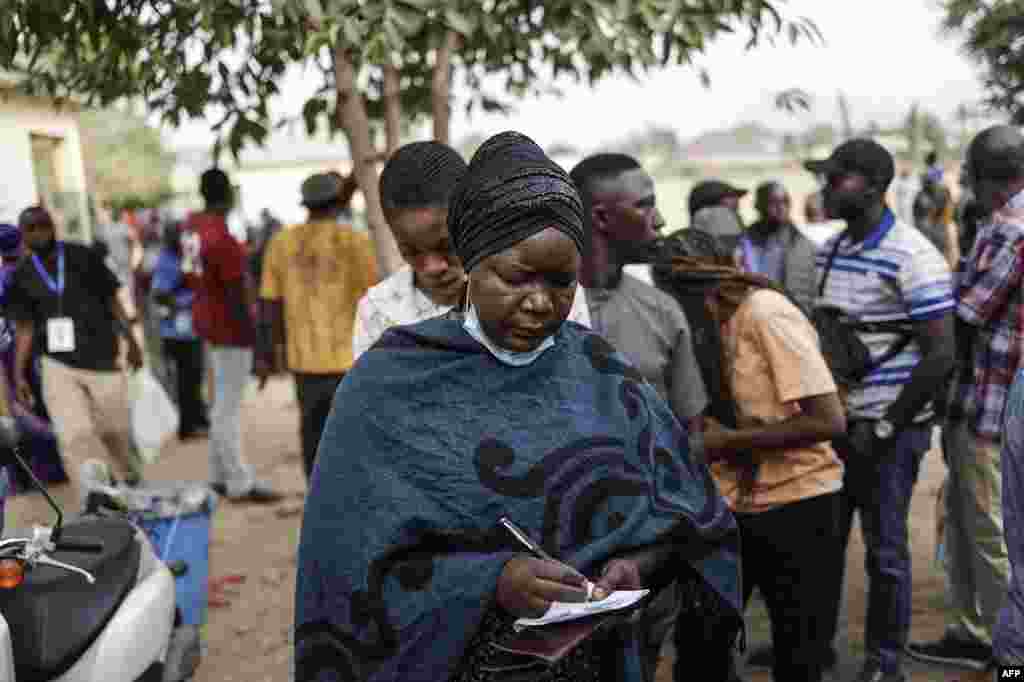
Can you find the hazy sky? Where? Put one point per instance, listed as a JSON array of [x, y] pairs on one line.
[[884, 54]]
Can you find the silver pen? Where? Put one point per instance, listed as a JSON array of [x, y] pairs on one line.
[[538, 551]]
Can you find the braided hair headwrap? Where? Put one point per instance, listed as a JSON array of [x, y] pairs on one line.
[[511, 192]]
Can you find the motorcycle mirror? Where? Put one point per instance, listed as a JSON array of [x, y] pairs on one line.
[[10, 437], [12, 573]]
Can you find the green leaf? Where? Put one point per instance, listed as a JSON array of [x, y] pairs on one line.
[[352, 30], [408, 21], [377, 49], [491, 105], [255, 131], [311, 111], [395, 39], [623, 9], [459, 22], [315, 9]]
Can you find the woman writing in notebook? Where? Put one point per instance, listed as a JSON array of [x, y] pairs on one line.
[[501, 409]]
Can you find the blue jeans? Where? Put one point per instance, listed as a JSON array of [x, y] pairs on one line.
[[879, 485]]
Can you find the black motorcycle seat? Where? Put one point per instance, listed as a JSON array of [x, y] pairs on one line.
[[56, 615]]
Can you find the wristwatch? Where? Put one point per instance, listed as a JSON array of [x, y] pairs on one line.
[[884, 429]]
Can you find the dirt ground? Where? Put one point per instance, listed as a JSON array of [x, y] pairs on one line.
[[248, 633]]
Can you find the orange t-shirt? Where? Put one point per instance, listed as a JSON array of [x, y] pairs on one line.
[[773, 359]]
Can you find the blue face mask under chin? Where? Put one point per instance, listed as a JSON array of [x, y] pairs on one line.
[[509, 357]]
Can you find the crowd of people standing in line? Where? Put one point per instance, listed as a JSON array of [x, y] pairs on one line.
[[808, 380], [667, 412]]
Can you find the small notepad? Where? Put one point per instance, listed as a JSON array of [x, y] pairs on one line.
[[560, 612]]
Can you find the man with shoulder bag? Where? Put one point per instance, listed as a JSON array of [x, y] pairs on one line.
[[884, 316]]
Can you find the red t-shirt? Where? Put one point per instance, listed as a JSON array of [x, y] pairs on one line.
[[212, 261]]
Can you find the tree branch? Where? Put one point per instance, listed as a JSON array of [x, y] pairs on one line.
[[392, 108], [440, 87], [352, 118]]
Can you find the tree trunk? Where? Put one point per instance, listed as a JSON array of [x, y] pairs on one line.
[[845, 117], [352, 118], [441, 87], [392, 108]]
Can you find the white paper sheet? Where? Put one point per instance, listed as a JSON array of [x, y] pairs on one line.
[[559, 612]]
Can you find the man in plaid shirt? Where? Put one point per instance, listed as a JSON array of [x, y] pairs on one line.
[[990, 312]]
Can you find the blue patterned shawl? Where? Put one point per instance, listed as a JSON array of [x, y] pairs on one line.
[[430, 442]]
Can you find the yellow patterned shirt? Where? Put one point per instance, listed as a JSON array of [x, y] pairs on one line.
[[319, 271]]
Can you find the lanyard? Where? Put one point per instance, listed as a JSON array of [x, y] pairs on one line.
[[752, 262], [57, 286]]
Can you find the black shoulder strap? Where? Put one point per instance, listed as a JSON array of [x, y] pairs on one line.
[[894, 350], [828, 265]]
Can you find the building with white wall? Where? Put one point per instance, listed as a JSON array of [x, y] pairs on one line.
[[43, 162]]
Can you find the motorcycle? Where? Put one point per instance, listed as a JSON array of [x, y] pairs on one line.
[[86, 601]]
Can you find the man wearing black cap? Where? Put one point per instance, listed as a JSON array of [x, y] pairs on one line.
[[715, 193], [313, 278], [775, 248], [721, 222], [895, 291]]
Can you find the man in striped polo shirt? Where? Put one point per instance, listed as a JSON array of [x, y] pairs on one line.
[[893, 282]]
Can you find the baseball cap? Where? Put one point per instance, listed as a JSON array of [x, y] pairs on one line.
[[721, 222], [710, 192], [320, 189], [718, 221], [860, 155]]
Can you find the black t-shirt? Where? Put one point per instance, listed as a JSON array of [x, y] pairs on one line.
[[89, 287]]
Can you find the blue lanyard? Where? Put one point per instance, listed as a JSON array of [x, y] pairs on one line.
[[751, 255], [56, 287]]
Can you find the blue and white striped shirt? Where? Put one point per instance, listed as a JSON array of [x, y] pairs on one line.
[[894, 275]]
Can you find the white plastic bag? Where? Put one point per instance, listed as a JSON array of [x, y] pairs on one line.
[[154, 416]]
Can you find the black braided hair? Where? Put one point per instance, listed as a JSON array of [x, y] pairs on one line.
[[420, 175], [511, 192]]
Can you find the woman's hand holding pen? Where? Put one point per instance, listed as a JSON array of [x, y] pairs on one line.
[[528, 585], [618, 574]]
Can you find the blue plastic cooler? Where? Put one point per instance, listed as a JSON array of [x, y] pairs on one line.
[[183, 536]]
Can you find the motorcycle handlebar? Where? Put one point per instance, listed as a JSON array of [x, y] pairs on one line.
[[83, 547]]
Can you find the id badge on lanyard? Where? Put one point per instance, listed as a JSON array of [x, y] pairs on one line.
[[183, 322], [60, 330]]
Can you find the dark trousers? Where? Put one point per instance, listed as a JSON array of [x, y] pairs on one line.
[[189, 366], [781, 553], [315, 392], [879, 485]]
